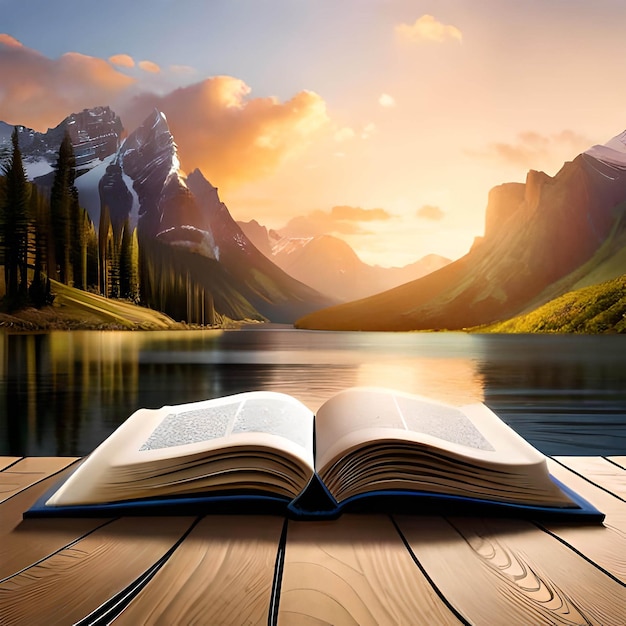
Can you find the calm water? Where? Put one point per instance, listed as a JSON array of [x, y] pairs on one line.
[[62, 393]]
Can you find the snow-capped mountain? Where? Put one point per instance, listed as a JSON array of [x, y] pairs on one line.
[[612, 153], [95, 134], [182, 226]]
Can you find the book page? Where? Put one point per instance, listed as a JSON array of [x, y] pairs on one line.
[[267, 413], [359, 415], [263, 429], [372, 440]]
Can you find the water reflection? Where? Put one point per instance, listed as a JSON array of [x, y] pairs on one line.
[[64, 392]]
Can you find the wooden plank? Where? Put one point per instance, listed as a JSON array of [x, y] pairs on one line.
[[11, 508], [510, 572], [74, 582], [24, 542], [5, 461], [354, 570], [618, 460], [603, 544], [28, 471], [221, 574], [599, 471]]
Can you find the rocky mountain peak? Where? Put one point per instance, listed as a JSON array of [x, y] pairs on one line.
[[95, 133], [150, 152], [612, 153]]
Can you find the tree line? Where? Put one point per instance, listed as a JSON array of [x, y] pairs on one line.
[[45, 233]]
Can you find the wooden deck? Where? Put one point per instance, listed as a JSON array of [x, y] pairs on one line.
[[357, 570]]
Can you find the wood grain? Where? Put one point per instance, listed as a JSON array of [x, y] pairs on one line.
[[5, 461], [598, 470], [72, 583], [510, 572], [620, 460], [28, 471], [221, 574], [24, 542], [354, 570], [604, 544]]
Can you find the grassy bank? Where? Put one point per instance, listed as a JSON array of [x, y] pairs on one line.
[[595, 309], [74, 309]]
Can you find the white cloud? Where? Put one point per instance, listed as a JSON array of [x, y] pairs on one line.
[[368, 131], [428, 29], [386, 101], [344, 134]]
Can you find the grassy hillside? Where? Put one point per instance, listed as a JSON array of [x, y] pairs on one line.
[[76, 309], [608, 262], [597, 308]]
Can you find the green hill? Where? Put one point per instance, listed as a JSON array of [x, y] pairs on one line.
[[607, 263], [599, 308]]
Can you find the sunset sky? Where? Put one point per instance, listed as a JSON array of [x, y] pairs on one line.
[[384, 122]]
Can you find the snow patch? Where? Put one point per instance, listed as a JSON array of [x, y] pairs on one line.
[[289, 245], [36, 168], [203, 244], [134, 210], [612, 153], [88, 188]]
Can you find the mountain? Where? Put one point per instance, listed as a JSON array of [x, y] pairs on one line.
[[536, 234], [189, 240], [331, 266], [95, 134]]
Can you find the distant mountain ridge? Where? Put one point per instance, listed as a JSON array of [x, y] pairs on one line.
[[536, 233], [331, 266], [95, 134]]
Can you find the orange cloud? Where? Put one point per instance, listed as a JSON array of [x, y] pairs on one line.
[[218, 127], [342, 220], [231, 137], [531, 149], [430, 212], [357, 214], [428, 29], [149, 66], [39, 92], [122, 60], [7, 40]]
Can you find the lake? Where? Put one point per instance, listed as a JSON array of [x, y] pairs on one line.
[[62, 393]]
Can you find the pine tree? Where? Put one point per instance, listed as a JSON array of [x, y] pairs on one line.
[[14, 226], [93, 263], [39, 290], [105, 233], [128, 263], [81, 228], [63, 207]]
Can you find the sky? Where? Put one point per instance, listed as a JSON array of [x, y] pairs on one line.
[[383, 122]]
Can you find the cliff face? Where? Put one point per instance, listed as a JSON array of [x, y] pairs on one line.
[[535, 234], [503, 203]]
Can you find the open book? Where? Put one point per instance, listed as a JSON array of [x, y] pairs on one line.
[[366, 449]]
